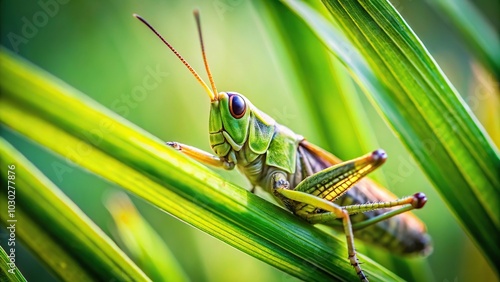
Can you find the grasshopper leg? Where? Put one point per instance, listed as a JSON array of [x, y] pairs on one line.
[[324, 187], [338, 211], [416, 201], [202, 156]]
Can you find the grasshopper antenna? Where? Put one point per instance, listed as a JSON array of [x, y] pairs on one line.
[[211, 94], [205, 61]]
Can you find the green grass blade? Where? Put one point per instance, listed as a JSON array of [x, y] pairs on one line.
[[57, 116], [422, 107], [8, 270], [477, 33], [71, 245]]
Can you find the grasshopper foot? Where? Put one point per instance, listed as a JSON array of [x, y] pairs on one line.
[[174, 145], [419, 200]]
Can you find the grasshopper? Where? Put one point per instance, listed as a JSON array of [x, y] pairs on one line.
[[307, 180]]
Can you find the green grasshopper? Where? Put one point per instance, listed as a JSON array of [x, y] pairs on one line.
[[307, 180]]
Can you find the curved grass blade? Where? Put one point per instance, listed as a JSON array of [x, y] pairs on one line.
[[8, 271], [423, 108], [67, 241], [145, 245], [60, 118]]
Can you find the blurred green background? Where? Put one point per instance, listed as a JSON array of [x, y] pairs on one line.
[[100, 49]]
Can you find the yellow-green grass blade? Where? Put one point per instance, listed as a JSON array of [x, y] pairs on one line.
[[422, 107], [55, 229], [69, 123], [8, 270], [482, 39], [333, 101], [143, 243]]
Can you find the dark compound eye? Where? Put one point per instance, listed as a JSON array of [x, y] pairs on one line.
[[237, 106]]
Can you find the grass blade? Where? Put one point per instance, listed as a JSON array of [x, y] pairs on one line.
[[74, 248], [8, 270], [140, 239]]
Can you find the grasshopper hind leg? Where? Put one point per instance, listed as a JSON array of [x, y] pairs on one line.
[[313, 199], [320, 190], [290, 198]]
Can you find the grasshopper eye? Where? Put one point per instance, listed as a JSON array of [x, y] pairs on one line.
[[237, 106]]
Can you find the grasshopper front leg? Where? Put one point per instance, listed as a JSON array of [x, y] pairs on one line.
[[202, 156]]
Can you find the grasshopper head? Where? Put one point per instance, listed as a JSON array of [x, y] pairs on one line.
[[233, 119], [228, 123], [234, 122]]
